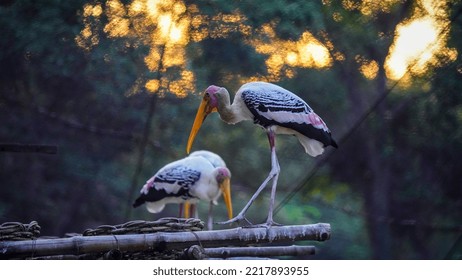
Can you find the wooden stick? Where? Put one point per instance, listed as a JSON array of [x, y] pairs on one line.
[[161, 241]]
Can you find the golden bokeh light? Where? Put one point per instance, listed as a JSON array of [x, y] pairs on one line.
[[420, 41], [307, 52], [415, 43], [117, 27], [370, 69], [168, 27], [88, 37], [367, 7], [152, 85], [164, 26], [372, 7], [136, 7], [92, 10]]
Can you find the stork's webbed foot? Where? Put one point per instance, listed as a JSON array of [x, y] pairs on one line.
[[267, 225], [238, 219]]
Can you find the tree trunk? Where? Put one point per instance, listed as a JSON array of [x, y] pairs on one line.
[[378, 196]]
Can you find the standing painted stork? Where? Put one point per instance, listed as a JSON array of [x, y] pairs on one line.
[[201, 176], [278, 111]]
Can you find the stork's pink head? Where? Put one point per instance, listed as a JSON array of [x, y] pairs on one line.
[[212, 91], [223, 173]]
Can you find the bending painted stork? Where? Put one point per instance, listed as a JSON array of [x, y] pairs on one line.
[[201, 176], [216, 161], [278, 111]]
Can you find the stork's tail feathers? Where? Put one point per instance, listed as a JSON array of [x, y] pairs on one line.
[[313, 147], [138, 202], [151, 206]]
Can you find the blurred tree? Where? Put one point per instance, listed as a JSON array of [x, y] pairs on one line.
[[426, 144], [56, 94], [346, 26], [375, 147]]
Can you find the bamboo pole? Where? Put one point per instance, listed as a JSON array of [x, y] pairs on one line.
[[257, 252], [161, 241]]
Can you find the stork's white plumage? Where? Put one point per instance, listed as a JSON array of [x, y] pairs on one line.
[[213, 158], [201, 176], [278, 111]]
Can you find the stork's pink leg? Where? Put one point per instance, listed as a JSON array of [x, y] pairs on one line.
[[274, 174], [210, 217], [276, 169]]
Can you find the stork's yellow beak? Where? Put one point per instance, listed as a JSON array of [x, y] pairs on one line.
[[202, 112], [186, 209], [225, 187]]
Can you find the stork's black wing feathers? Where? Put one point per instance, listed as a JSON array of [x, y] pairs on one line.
[[273, 100], [175, 181], [264, 103], [179, 174]]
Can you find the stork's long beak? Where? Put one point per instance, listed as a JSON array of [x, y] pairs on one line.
[[202, 112], [186, 209], [225, 187]]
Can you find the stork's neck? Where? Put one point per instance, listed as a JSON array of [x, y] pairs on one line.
[[229, 113]]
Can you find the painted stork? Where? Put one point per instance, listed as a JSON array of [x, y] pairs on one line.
[[278, 111], [201, 176]]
